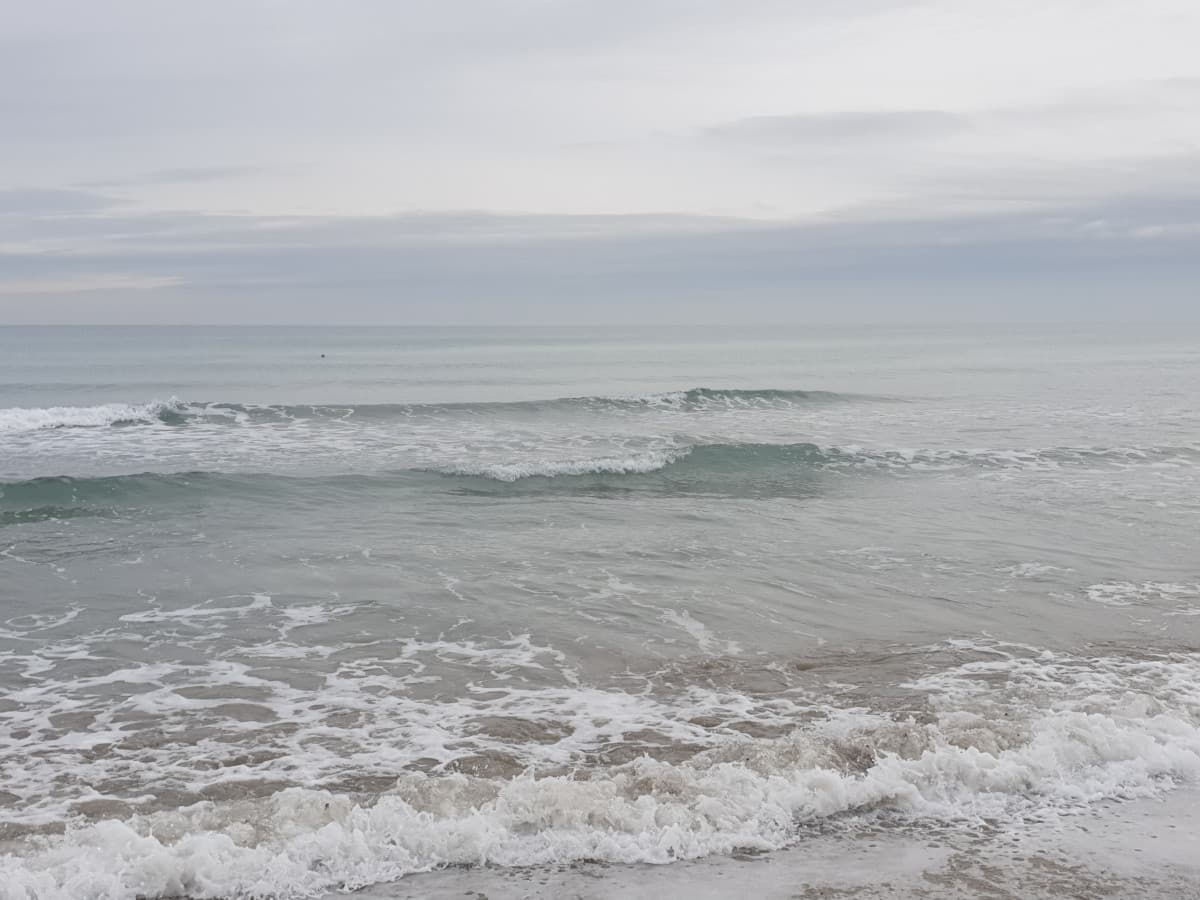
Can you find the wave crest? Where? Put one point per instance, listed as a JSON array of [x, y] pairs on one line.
[[708, 398], [17, 419], [177, 412], [641, 463], [766, 462]]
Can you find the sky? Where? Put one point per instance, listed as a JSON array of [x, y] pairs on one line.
[[593, 161]]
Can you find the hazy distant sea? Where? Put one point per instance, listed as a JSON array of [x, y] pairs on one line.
[[288, 611]]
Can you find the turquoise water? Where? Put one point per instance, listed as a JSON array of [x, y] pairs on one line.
[[288, 610]]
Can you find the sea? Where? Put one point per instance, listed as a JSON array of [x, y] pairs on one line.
[[606, 612]]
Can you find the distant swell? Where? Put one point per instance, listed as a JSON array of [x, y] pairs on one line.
[[708, 397], [177, 412]]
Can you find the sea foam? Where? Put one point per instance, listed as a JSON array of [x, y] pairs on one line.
[[634, 463], [16, 419], [1064, 733]]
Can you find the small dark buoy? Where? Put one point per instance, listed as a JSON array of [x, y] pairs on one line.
[[322, 356]]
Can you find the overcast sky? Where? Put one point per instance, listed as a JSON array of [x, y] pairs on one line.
[[618, 160]]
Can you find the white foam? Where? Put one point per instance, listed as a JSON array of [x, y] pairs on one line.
[[37, 622], [201, 610], [302, 842], [1021, 732], [634, 463], [16, 419], [1033, 570], [1128, 593], [705, 640]]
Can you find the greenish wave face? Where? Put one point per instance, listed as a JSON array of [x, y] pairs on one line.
[[764, 470]]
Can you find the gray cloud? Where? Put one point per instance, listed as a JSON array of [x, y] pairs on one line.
[[184, 175], [34, 201], [838, 127], [1094, 259], [850, 129], [1169, 95]]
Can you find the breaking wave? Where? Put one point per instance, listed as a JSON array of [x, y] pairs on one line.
[[18, 419], [1013, 735], [177, 412], [759, 461]]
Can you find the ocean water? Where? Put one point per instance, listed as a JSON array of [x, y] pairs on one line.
[[285, 612]]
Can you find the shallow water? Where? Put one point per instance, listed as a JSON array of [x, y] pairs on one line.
[[275, 623]]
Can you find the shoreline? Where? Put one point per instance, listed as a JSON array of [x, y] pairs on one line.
[[1134, 849]]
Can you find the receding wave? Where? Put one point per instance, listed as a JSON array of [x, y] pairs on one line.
[[178, 412]]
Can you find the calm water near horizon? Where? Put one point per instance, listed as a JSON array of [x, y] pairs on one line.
[[292, 610]]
